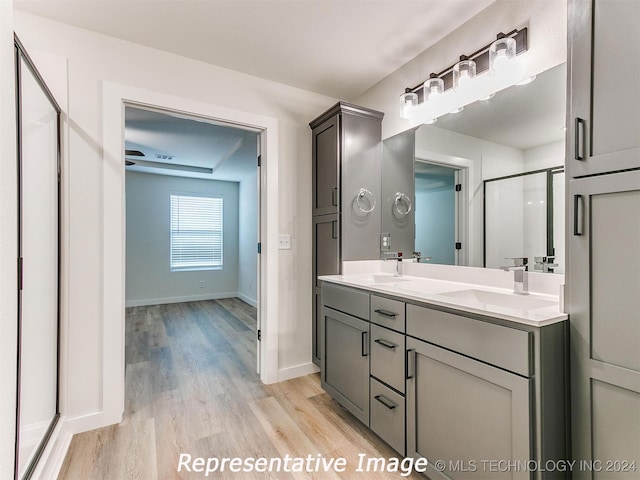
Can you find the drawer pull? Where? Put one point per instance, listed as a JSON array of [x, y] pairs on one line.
[[385, 343], [577, 215], [385, 401], [386, 313]]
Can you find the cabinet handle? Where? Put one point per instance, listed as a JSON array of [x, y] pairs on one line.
[[386, 344], [364, 344], [407, 364], [334, 196], [386, 313], [334, 229], [579, 139], [577, 215], [385, 401]]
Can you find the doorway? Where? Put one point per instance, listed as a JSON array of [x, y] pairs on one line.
[[115, 98], [438, 207]]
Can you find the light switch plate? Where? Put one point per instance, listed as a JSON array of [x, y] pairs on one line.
[[284, 242]]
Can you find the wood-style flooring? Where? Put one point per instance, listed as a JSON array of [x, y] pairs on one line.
[[191, 388]]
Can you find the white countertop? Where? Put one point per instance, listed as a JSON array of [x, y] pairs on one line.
[[534, 309]]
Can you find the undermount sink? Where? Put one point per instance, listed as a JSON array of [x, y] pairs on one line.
[[386, 278], [506, 300]]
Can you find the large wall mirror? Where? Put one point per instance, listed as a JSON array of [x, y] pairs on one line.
[[39, 277], [509, 150]]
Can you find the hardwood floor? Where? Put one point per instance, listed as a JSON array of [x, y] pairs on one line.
[[191, 388]]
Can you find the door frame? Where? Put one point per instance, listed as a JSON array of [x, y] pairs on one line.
[[115, 97], [463, 222]]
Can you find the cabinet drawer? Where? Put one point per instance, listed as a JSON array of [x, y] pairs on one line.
[[388, 313], [387, 415], [387, 357], [504, 347], [346, 300]]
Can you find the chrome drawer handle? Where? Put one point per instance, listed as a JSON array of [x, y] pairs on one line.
[[386, 313], [385, 401], [386, 344]]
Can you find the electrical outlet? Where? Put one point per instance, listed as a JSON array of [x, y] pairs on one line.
[[284, 242], [201, 283]]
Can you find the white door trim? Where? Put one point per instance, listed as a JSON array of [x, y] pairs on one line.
[[113, 248]]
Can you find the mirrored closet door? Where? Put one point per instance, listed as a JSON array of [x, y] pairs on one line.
[[38, 119]]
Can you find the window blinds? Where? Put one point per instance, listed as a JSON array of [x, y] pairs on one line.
[[196, 232]]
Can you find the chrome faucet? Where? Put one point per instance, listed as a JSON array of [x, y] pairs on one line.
[[544, 264], [520, 275], [397, 256], [418, 256]]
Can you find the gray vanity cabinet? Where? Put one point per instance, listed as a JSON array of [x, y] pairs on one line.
[[462, 411], [346, 157], [345, 349], [604, 303], [604, 92]]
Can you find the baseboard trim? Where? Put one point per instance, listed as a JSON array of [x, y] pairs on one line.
[[246, 299], [54, 454], [87, 422], [296, 371], [186, 298]]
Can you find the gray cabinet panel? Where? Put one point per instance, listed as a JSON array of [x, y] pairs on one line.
[[615, 437], [461, 410], [398, 177], [504, 347], [326, 246], [604, 98], [615, 317], [316, 329], [347, 300], [345, 362], [326, 167], [388, 357], [388, 313], [387, 415], [603, 306], [362, 154]]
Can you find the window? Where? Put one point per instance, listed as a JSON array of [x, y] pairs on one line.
[[196, 232]]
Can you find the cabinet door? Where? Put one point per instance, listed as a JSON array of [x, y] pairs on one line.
[[461, 411], [326, 167], [345, 362], [326, 247], [604, 308], [604, 92]]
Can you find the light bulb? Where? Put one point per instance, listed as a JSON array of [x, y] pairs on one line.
[[408, 101], [502, 53], [433, 87], [463, 72]]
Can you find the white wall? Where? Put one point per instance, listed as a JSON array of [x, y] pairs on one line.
[[248, 239], [94, 59], [544, 156], [8, 243], [547, 22], [149, 279]]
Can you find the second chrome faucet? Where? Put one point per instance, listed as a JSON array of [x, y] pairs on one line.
[[520, 275]]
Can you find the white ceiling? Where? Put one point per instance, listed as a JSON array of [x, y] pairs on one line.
[[231, 153], [338, 48]]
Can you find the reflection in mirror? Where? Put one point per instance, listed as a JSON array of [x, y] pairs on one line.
[[520, 129], [436, 212], [519, 220]]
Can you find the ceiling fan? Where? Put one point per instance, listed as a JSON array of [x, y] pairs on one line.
[[168, 166]]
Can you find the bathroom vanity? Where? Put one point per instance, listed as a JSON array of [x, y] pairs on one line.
[[471, 376]]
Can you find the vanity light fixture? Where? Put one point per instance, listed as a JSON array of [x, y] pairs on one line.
[[465, 82], [408, 100], [433, 87], [463, 73], [502, 54]]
